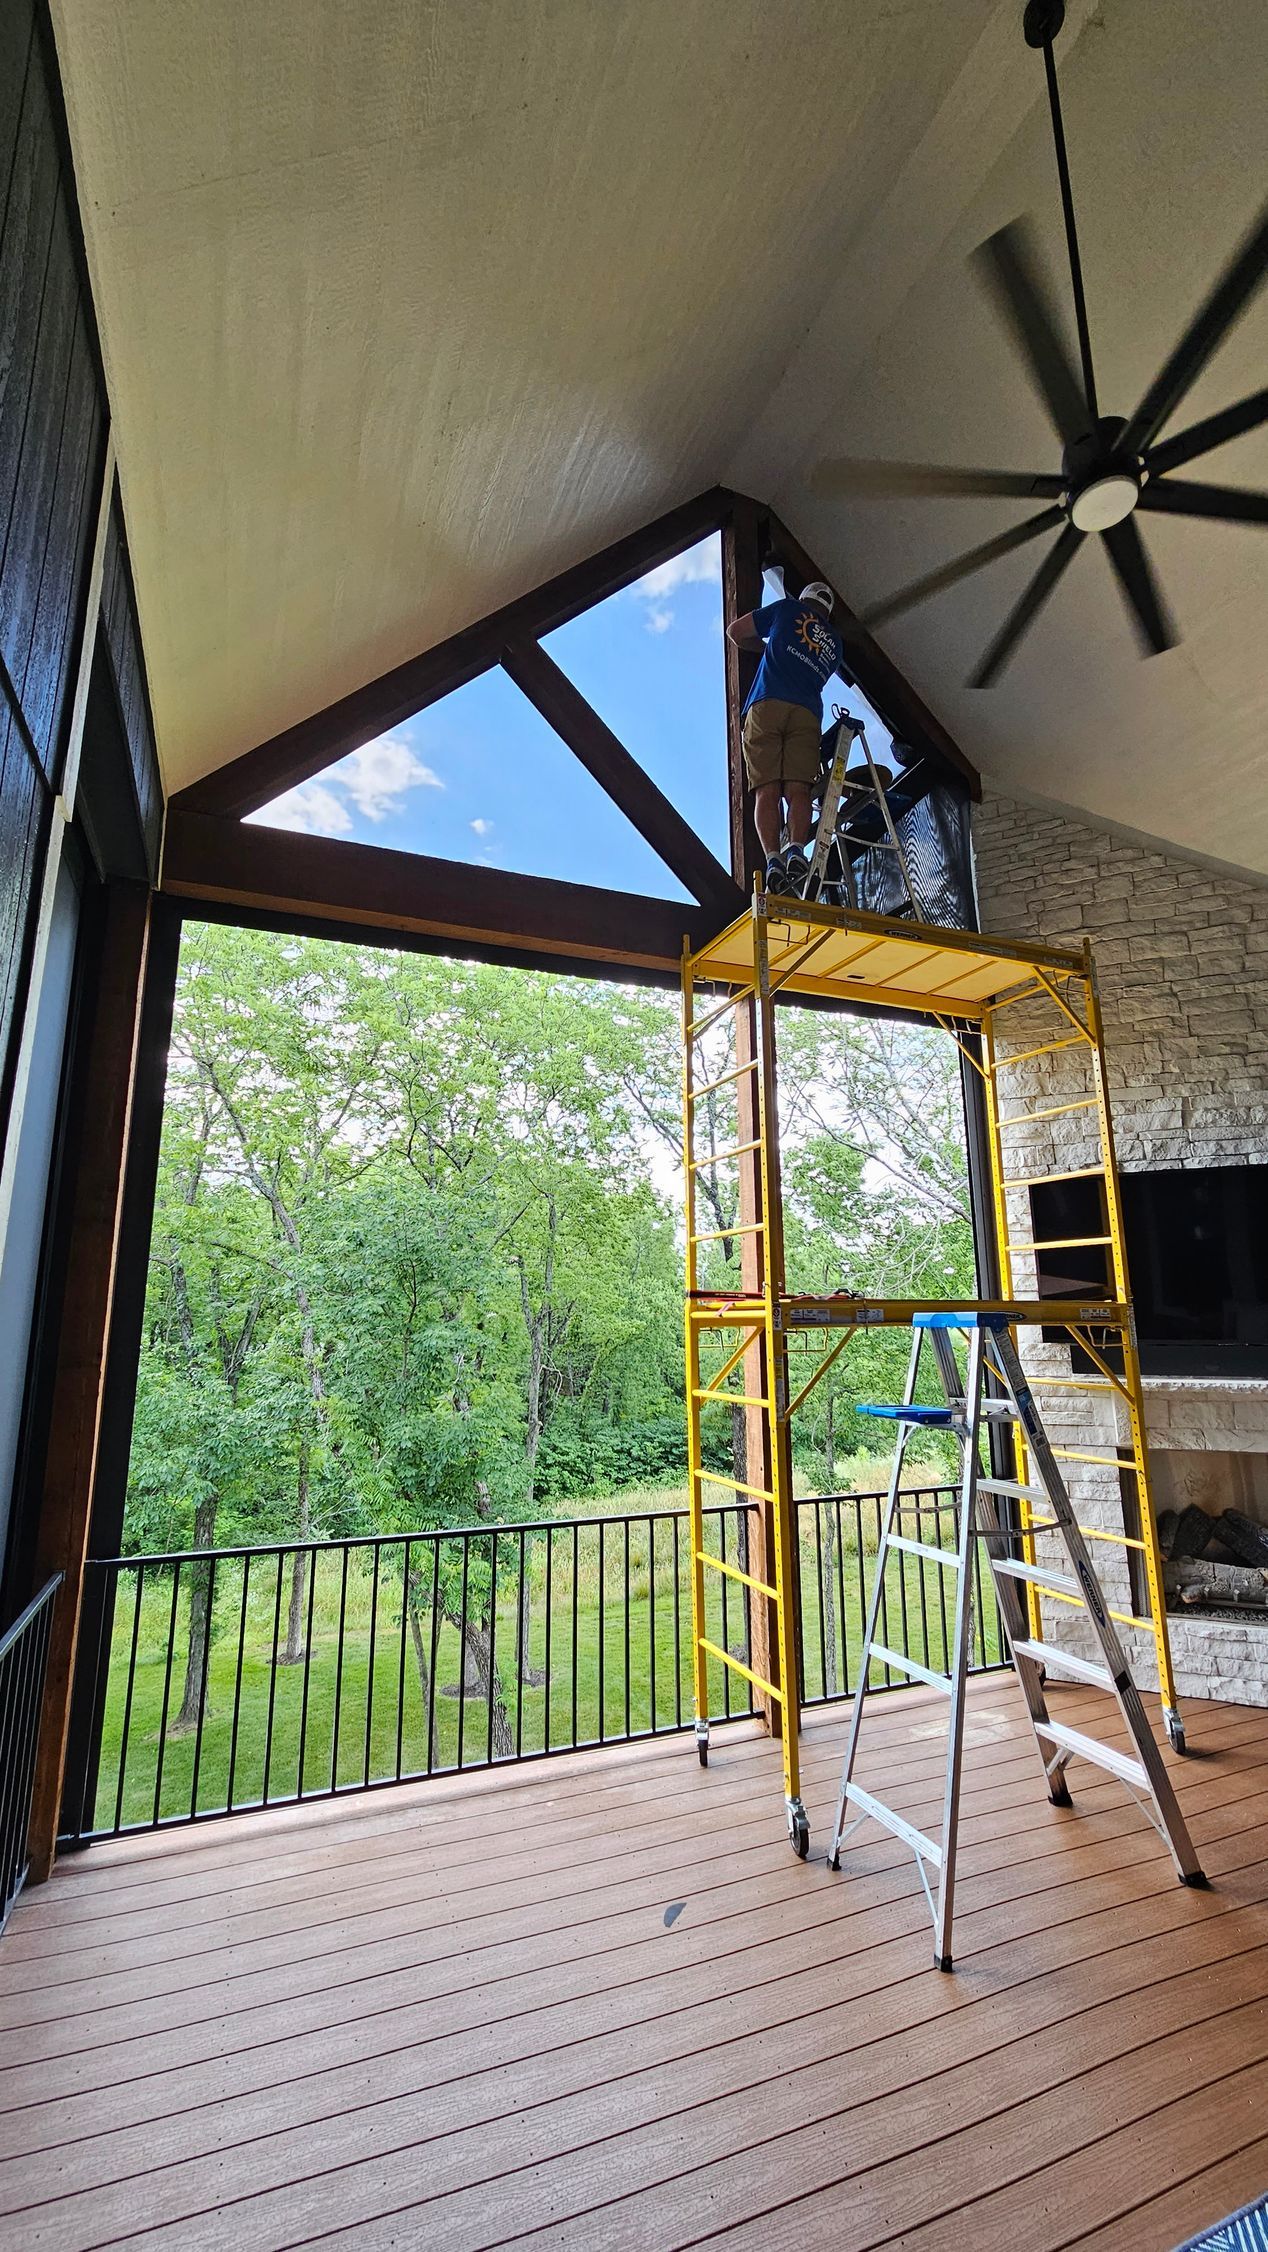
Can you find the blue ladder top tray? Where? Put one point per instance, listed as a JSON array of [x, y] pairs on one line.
[[945, 1319], [911, 1414]]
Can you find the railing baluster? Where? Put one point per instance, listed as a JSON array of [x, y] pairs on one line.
[[603, 1635], [125, 1737], [576, 1571], [817, 1507], [338, 1710], [922, 1577], [493, 1629], [627, 1626], [369, 1685], [237, 1684], [523, 1657], [550, 1606], [678, 1646], [844, 1690], [400, 1668], [430, 1715], [462, 1648], [651, 1622], [302, 1754], [277, 1632], [202, 1689], [167, 1694]]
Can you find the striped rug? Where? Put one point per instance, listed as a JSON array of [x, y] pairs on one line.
[[1246, 2231]]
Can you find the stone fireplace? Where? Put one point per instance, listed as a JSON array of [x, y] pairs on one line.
[[1182, 959]]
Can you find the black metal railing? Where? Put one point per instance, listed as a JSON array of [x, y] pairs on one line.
[[225, 1680], [23, 1658]]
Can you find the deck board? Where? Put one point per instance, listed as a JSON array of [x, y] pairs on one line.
[[453, 2013]]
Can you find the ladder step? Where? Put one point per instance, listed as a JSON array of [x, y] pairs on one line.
[[1064, 1661], [1091, 1748], [946, 1556], [1011, 1490], [907, 1665], [907, 1831], [1051, 1583]]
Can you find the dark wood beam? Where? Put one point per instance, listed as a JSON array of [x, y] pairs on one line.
[[591, 740], [75, 1425], [904, 712], [742, 538], [385, 895], [260, 775]]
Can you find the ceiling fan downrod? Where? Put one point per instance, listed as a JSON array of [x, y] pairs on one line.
[[1101, 490]]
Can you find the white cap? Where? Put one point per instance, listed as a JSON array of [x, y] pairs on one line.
[[817, 592]]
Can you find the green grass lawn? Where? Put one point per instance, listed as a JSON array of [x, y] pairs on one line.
[[596, 1665]]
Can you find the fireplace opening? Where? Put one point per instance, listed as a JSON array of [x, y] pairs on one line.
[[1212, 1515]]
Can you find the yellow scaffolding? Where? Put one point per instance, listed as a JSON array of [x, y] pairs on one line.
[[1015, 997]]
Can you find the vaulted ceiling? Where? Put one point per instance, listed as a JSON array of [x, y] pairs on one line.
[[405, 307]]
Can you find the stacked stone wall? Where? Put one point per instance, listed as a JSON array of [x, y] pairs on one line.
[[1181, 956]]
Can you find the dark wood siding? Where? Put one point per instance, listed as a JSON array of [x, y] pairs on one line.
[[52, 446], [123, 642]]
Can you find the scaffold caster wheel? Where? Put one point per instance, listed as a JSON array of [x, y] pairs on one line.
[[1175, 1733], [798, 1831], [702, 1742]]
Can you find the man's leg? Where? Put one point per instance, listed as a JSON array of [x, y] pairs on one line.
[[799, 804], [768, 816]]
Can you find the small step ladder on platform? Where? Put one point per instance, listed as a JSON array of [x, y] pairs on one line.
[[991, 1350], [854, 810]]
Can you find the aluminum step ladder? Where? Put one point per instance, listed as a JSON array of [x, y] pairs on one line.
[[849, 799], [991, 1350]]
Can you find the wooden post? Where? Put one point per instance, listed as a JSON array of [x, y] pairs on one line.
[[81, 1357], [742, 592]]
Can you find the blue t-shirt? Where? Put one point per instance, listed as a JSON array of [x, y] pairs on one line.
[[802, 652]]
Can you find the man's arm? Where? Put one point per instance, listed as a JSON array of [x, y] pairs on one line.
[[746, 633]]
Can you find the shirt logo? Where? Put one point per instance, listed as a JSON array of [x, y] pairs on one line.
[[817, 638]]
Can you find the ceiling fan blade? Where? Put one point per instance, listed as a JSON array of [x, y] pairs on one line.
[[1008, 266], [1148, 612], [963, 565], [1203, 437], [928, 480], [1054, 563], [1176, 496], [1206, 331]]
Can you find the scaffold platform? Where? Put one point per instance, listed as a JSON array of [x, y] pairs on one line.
[[751, 1343]]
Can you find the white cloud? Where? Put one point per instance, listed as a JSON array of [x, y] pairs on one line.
[[372, 781], [699, 565], [311, 810], [377, 776], [481, 826]]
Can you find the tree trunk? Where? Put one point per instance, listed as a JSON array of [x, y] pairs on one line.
[[424, 1669], [293, 1653], [478, 1654], [199, 1623]]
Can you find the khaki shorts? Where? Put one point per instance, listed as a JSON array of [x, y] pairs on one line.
[[781, 743]]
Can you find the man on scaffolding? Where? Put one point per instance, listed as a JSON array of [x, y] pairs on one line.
[[783, 723]]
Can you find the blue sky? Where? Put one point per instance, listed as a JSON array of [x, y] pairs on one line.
[[481, 777]]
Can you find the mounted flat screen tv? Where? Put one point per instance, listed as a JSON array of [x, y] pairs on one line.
[[1197, 1253]]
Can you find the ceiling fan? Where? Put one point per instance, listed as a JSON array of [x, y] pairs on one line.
[[1110, 467]]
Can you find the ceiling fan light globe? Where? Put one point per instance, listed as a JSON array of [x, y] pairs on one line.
[[1105, 502]]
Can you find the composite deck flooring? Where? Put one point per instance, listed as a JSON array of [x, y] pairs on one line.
[[596, 2002]]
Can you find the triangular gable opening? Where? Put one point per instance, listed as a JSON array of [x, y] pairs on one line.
[[479, 777], [650, 659]]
